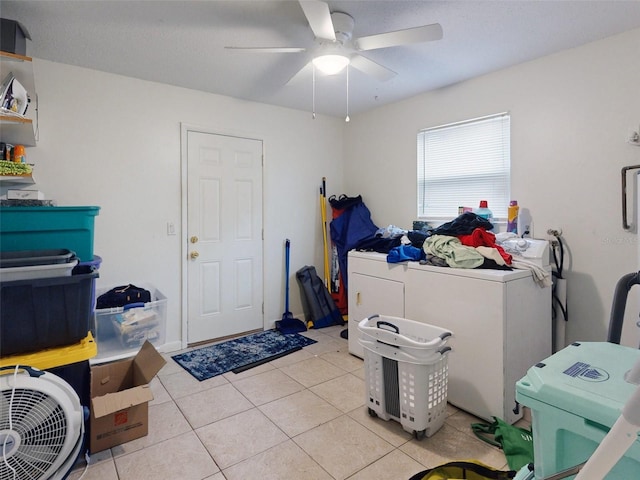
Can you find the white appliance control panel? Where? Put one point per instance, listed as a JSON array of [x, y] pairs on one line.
[[529, 249]]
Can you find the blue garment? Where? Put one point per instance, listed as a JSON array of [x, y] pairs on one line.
[[349, 229], [404, 253]]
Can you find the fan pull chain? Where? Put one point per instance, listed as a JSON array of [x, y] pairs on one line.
[[347, 118], [313, 93]]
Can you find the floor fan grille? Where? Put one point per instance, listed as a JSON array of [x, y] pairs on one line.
[[39, 427]]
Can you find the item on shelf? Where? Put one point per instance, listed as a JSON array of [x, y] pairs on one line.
[[19, 155], [25, 195], [14, 97], [14, 37], [27, 203], [7, 148], [13, 168]]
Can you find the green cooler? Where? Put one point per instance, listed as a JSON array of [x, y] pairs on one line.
[[575, 397]]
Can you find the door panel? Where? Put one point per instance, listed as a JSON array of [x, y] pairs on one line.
[[224, 183], [370, 296]]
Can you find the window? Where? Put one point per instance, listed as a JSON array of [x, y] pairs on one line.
[[462, 163]]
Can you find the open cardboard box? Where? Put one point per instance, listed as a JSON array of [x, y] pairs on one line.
[[120, 395]]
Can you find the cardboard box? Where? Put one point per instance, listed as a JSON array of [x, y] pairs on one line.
[[120, 395]]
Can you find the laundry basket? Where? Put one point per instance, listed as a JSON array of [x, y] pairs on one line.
[[406, 372]]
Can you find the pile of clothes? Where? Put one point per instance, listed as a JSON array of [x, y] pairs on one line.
[[465, 242]]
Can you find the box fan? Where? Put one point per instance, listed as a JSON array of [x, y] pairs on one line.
[[41, 425]]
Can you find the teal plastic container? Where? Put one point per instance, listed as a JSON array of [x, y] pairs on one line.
[[45, 228], [575, 397]]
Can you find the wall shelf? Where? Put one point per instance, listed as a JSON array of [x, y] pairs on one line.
[[17, 179], [18, 130]]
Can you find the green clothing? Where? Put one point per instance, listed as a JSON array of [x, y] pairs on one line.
[[453, 252]]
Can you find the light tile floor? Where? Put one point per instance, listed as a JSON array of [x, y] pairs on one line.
[[301, 416]]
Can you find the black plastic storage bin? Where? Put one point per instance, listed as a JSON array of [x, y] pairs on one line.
[[45, 312]]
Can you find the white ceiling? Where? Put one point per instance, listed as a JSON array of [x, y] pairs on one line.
[[182, 42]]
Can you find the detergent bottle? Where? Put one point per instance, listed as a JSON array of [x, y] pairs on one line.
[[483, 211], [512, 217]]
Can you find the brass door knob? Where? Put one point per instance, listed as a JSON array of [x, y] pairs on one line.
[[194, 255], [193, 239]]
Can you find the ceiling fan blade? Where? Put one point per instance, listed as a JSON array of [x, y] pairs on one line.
[[372, 68], [267, 49], [426, 33], [319, 19], [303, 74]]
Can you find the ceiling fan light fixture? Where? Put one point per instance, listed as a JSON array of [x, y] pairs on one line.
[[331, 64]]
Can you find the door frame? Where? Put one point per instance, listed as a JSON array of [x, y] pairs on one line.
[[184, 129]]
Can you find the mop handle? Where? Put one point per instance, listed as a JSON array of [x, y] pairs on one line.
[[621, 436], [287, 244]]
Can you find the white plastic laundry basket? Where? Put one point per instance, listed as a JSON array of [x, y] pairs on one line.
[[406, 372]]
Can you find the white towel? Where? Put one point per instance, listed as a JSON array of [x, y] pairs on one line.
[[540, 275]]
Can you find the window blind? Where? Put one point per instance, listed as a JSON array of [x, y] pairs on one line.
[[462, 163]]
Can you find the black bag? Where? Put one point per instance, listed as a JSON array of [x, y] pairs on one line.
[[319, 307], [123, 295]]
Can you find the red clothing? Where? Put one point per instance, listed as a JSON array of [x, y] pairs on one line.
[[482, 238]]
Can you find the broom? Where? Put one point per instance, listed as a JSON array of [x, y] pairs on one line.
[[288, 323]]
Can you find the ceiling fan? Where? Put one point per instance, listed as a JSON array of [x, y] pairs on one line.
[[336, 48]]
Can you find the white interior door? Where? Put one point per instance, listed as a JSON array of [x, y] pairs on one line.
[[224, 240]]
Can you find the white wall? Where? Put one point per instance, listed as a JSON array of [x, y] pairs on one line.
[[570, 114], [114, 142]]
